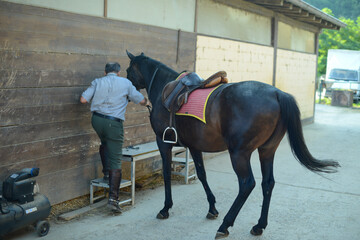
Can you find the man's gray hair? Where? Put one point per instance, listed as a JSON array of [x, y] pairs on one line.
[[112, 67]]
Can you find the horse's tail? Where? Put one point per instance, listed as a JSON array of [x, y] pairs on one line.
[[290, 116]]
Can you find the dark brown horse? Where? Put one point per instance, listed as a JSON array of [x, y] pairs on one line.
[[241, 117]]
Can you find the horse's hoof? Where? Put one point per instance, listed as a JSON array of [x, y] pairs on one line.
[[212, 216], [220, 235], [162, 216], [256, 231]]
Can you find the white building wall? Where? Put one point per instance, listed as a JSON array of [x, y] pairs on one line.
[[224, 21], [242, 61], [297, 39], [173, 14], [295, 74], [88, 7]]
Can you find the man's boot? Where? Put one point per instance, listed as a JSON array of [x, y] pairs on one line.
[[105, 164], [114, 183]]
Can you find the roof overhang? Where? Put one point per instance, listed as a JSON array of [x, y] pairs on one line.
[[301, 11]]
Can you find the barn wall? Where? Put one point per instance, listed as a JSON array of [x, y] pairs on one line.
[[242, 61], [47, 58], [295, 74]]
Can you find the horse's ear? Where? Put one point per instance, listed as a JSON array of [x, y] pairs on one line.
[[130, 55]]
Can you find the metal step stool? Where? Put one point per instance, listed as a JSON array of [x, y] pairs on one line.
[[101, 183], [185, 164], [131, 155]]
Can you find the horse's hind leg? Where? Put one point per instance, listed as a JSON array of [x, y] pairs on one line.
[[266, 155], [200, 170], [241, 163], [267, 184]]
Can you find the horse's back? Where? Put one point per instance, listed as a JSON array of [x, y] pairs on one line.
[[250, 90], [246, 98]]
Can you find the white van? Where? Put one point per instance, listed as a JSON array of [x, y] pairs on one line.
[[343, 72]]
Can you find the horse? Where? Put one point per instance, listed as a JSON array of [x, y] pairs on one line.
[[241, 117]]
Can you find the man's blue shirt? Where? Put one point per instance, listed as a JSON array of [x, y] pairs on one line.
[[110, 95]]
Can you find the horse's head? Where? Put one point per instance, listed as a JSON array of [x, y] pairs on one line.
[[134, 71]]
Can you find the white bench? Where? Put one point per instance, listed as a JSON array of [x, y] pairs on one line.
[[184, 163], [142, 152]]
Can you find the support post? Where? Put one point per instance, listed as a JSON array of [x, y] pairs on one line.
[[105, 8], [316, 42], [274, 43], [178, 46]]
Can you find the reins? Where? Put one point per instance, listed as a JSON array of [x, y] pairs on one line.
[[149, 108], [152, 80]]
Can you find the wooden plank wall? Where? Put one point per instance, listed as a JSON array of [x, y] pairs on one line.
[[47, 58]]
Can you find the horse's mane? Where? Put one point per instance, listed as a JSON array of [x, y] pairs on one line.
[[142, 57]]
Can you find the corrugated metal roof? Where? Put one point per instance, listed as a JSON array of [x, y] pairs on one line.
[[301, 11]]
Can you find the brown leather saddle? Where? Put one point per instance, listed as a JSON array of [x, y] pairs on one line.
[[176, 93]]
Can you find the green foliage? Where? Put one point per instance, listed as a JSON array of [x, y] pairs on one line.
[[345, 38], [356, 105], [341, 8], [326, 101]]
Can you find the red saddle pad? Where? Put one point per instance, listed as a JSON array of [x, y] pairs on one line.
[[196, 105]]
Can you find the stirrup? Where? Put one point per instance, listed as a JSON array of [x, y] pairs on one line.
[[170, 141]]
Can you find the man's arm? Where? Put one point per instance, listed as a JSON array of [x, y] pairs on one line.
[[87, 95], [83, 100]]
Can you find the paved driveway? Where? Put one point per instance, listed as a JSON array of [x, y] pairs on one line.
[[304, 205]]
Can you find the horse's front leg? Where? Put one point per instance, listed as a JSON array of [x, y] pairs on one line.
[[200, 170], [165, 152]]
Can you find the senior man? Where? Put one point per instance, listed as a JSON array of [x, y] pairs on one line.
[[109, 97]]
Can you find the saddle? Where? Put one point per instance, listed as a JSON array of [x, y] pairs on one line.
[[176, 93]]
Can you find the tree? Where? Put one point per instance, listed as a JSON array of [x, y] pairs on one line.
[[345, 38], [342, 8]]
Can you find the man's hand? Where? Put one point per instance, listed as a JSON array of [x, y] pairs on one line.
[[83, 100], [145, 102]]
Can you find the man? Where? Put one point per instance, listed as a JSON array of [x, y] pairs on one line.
[[110, 95]]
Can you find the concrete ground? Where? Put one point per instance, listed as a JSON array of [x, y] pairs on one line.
[[304, 205]]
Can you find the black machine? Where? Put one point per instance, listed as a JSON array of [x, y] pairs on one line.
[[20, 206]]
